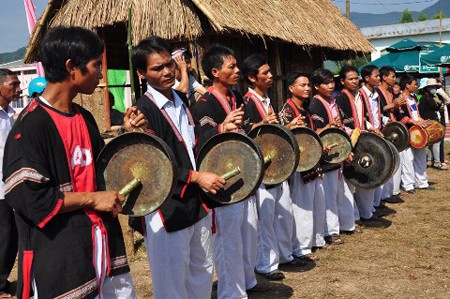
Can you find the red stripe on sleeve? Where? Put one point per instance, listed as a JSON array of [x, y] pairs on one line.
[[52, 214], [187, 183]]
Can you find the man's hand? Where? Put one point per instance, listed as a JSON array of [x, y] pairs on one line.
[[349, 158], [134, 120], [181, 63], [401, 100], [298, 121], [271, 117], [208, 181], [107, 201], [234, 120]]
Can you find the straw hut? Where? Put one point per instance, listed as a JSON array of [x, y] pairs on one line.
[[294, 34]]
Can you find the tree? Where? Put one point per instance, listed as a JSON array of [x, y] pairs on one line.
[[406, 17], [422, 17], [438, 16]]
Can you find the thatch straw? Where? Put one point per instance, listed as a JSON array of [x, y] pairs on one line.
[[308, 23]]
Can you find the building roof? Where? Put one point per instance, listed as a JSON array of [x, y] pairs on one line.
[[16, 64], [415, 28], [308, 23]]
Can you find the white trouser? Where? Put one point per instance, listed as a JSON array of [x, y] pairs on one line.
[[331, 189], [388, 188], [235, 248], [407, 169], [397, 178], [180, 261], [420, 167], [275, 227], [308, 203], [377, 196], [364, 201], [113, 287], [435, 152], [346, 206]]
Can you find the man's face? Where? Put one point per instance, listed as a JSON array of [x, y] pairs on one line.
[[390, 79], [412, 86], [264, 79], [229, 73], [301, 88], [10, 89], [325, 89], [88, 82], [160, 72], [351, 81], [374, 78]]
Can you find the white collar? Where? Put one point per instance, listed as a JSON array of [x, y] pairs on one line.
[[9, 111], [264, 100], [162, 101]]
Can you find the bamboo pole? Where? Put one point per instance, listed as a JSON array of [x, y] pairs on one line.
[[208, 14]]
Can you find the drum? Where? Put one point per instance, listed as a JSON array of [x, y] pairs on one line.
[[429, 133]]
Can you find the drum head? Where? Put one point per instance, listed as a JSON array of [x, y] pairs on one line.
[[397, 133], [140, 156], [223, 153], [279, 142], [372, 163], [340, 142], [418, 137], [310, 146]]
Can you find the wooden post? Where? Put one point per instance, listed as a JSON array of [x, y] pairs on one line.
[[106, 90], [279, 78]]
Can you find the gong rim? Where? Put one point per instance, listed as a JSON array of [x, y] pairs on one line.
[[314, 154], [346, 146], [283, 165], [400, 129], [117, 150], [206, 162]]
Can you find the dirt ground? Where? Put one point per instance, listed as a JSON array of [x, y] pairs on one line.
[[404, 254]]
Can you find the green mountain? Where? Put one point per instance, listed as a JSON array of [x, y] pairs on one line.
[[12, 56]]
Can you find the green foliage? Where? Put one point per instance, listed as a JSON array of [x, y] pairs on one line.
[[12, 56], [422, 17], [406, 17], [437, 16]]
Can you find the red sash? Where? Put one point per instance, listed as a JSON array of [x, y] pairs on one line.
[[358, 123], [369, 107], [223, 101], [389, 99], [326, 105], [259, 105], [297, 112]]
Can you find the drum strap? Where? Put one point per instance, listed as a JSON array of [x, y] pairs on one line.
[[297, 112], [358, 123]]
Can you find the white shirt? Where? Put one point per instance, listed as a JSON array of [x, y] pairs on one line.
[[179, 117], [193, 85], [265, 101], [6, 123], [413, 105], [373, 98]]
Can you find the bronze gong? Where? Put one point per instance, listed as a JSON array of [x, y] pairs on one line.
[[280, 150], [140, 166], [340, 143], [310, 146], [372, 164], [236, 158], [397, 133]]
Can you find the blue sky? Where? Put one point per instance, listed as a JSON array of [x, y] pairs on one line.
[[14, 30]]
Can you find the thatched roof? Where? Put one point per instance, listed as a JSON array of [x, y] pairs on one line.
[[308, 23]]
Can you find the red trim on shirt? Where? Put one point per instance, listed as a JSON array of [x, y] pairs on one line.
[[389, 98], [259, 105], [27, 262], [326, 105], [223, 101], [294, 107], [356, 121], [52, 213], [187, 183]]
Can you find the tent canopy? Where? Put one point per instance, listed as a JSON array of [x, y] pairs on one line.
[[440, 57]]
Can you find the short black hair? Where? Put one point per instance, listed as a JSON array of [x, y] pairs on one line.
[[147, 46], [187, 54], [5, 73], [367, 71], [347, 68], [321, 76], [385, 71], [251, 65], [405, 80], [62, 43], [214, 58], [291, 77]]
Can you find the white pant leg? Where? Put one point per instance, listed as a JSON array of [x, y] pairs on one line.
[[118, 287], [303, 206], [284, 223], [171, 258], [319, 213], [378, 194], [229, 252], [346, 206], [331, 186], [397, 178], [388, 188], [268, 256], [250, 241], [364, 201], [435, 152], [420, 167], [407, 169]]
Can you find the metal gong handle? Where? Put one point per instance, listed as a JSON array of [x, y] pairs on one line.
[[269, 157], [232, 173], [393, 137], [365, 161], [333, 145], [128, 188]]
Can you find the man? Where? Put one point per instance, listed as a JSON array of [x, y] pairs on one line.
[[71, 243], [308, 198], [178, 235], [219, 110], [9, 91], [414, 164], [273, 202], [339, 200], [36, 87]]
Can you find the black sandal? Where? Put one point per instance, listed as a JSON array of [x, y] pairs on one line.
[[274, 275]]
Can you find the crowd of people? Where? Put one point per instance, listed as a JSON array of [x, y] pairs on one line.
[[70, 241]]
